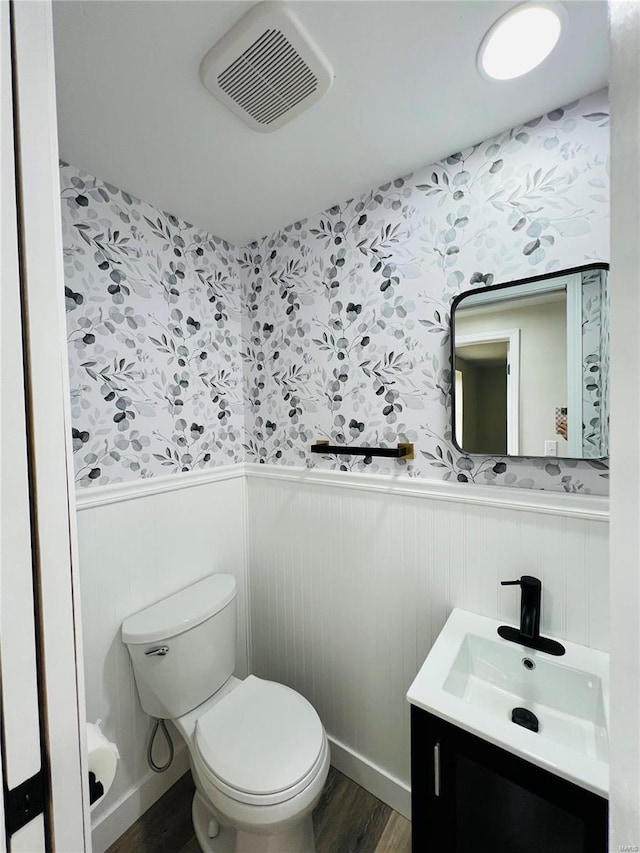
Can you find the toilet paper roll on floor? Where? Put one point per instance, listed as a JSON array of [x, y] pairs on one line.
[[103, 757]]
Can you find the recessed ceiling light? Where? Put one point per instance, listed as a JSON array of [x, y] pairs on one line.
[[521, 40]]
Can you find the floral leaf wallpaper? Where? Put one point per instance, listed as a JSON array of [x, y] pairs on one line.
[[186, 352], [347, 313], [595, 363], [153, 322]]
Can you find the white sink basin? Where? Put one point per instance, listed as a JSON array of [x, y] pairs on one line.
[[474, 679]]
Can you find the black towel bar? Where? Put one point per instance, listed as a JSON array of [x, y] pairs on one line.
[[404, 450]]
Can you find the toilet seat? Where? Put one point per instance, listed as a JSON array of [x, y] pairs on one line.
[[261, 744]]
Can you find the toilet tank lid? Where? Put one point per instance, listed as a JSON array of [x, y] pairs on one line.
[[181, 611]]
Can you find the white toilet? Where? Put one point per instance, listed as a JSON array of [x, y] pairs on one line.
[[259, 753]]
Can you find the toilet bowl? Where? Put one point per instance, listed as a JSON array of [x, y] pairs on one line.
[[260, 758], [258, 751]]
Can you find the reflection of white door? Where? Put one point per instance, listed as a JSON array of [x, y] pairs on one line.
[[512, 339], [459, 408], [574, 366], [41, 697]]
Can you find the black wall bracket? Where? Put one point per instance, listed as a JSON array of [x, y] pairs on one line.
[[404, 450], [24, 802]]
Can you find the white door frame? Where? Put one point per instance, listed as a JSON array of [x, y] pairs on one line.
[[624, 813], [512, 338], [22, 753], [51, 483]]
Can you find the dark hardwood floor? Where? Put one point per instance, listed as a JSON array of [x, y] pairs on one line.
[[348, 819]]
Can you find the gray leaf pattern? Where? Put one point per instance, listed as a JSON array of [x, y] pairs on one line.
[[595, 363], [186, 352], [154, 331], [348, 312]]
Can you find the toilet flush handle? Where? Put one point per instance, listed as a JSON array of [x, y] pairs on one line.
[[160, 651]]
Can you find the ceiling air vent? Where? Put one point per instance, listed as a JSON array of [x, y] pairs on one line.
[[266, 69]]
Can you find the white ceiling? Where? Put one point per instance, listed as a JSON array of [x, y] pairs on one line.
[[132, 110], [493, 353]]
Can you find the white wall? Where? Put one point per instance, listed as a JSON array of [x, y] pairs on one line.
[[353, 576], [625, 431], [139, 543]]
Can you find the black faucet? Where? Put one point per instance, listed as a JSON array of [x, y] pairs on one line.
[[530, 607]]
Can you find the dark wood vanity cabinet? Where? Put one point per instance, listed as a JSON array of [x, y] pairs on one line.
[[469, 796]]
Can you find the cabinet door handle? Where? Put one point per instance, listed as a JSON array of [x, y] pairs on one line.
[[436, 770]]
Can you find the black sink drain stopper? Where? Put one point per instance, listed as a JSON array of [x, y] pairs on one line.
[[524, 718]]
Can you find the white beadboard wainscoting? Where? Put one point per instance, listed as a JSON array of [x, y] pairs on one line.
[[347, 579], [353, 576], [138, 543]]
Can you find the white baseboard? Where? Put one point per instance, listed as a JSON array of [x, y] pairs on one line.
[[134, 803], [391, 790]]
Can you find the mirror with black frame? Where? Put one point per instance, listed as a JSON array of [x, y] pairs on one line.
[[531, 366]]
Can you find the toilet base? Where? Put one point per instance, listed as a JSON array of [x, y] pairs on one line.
[[201, 815], [297, 839]]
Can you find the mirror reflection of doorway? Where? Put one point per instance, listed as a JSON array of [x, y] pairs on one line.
[[487, 385], [561, 323]]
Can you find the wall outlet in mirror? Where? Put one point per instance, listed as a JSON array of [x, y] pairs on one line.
[[531, 366]]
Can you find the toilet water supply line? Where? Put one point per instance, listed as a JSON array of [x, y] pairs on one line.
[[160, 768]]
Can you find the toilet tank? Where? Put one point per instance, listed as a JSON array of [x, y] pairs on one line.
[[183, 648]]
